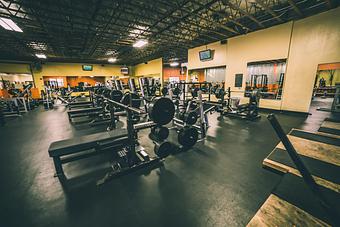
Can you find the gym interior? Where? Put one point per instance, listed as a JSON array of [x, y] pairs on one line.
[[170, 113]]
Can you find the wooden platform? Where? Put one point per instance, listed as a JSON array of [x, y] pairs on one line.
[[278, 212], [292, 203], [331, 127], [320, 153]]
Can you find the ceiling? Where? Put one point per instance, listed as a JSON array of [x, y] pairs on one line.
[[95, 30]]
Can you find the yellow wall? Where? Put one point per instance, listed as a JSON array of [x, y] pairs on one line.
[[315, 40], [14, 68], [60, 70], [326, 75], [152, 68], [306, 43], [219, 59]]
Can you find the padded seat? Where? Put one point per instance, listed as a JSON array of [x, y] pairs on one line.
[[76, 148], [70, 146], [80, 103], [84, 110]]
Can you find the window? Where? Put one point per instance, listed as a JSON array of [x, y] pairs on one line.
[[267, 76], [57, 82]]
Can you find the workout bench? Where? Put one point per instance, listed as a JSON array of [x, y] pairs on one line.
[[69, 150]]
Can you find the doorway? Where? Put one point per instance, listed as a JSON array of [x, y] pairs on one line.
[[325, 93]]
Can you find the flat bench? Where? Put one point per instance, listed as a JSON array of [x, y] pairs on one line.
[[83, 111], [69, 150], [84, 104]]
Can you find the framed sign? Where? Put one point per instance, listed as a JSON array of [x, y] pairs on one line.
[[238, 80]]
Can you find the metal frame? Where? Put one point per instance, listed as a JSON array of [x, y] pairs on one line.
[[95, 30]]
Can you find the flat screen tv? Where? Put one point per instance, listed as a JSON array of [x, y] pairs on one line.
[[87, 67], [124, 70], [205, 55]]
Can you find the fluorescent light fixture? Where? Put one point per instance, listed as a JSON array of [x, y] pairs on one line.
[[112, 60], [110, 52], [41, 56], [139, 30], [40, 46], [140, 43], [174, 64], [8, 24]]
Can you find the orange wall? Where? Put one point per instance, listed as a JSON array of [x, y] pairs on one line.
[[199, 73], [73, 81], [173, 72], [329, 66], [46, 78]]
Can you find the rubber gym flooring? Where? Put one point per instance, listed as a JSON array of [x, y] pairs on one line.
[[220, 182]]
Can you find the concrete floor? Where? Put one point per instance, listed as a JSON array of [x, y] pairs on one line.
[[220, 182]]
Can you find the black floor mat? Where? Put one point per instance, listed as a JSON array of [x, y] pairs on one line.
[[315, 137], [318, 168], [295, 191]]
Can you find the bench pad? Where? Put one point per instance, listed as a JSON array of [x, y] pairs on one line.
[[77, 144]]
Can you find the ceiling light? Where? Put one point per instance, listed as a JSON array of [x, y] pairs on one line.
[[110, 52], [140, 43], [174, 64], [138, 30], [37, 45], [112, 60], [8, 24], [91, 76], [41, 56]]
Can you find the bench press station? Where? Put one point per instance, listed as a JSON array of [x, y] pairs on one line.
[[122, 142]]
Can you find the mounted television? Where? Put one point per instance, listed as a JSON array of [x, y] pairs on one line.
[[206, 55], [124, 71], [87, 67]]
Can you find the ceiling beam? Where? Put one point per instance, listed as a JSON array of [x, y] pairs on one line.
[[269, 10], [245, 13], [295, 8]]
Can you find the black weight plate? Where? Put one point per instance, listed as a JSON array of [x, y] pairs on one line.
[[176, 91], [163, 149], [219, 93], [160, 132], [161, 110], [116, 95], [164, 91], [187, 136], [191, 117], [106, 93], [194, 92], [136, 102]]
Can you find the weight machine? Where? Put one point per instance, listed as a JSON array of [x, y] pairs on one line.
[[231, 107]]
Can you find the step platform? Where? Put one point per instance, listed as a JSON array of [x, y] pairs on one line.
[[320, 153], [331, 126], [292, 203]]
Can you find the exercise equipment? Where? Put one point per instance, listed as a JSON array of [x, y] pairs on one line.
[[129, 156], [232, 108], [161, 110], [187, 136], [160, 132]]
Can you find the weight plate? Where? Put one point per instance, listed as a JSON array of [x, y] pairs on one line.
[[161, 110], [163, 149], [164, 91], [136, 102], [161, 133], [176, 91], [116, 95], [188, 136], [191, 117]]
